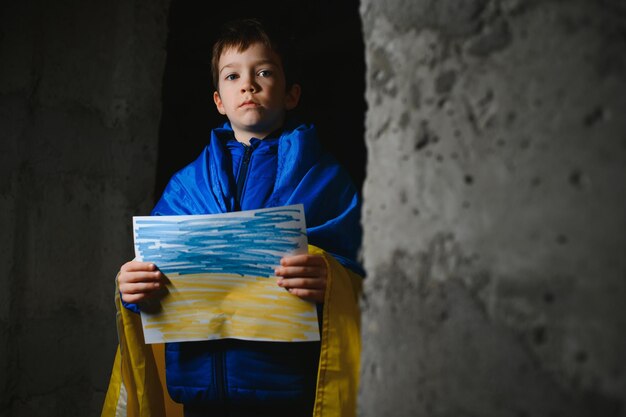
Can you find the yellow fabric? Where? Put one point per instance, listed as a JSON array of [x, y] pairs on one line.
[[137, 384], [113, 393], [172, 409], [338, 374]]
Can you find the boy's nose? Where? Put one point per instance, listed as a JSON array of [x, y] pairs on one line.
[[249, 86]]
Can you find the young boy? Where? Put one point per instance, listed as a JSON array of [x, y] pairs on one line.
[[258, 159]]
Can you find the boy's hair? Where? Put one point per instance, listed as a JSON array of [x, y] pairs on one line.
[[241, 34]]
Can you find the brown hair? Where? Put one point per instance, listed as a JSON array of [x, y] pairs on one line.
[[241, 34]]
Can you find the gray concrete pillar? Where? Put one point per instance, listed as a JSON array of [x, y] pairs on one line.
[[495, 209], [80, 102]]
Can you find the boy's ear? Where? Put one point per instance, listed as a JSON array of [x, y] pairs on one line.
[[218, 103], [293, 97]]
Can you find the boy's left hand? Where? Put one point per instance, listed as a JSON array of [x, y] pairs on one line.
[[304, 276]]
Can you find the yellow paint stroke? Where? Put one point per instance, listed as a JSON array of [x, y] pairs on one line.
[[217, 306]]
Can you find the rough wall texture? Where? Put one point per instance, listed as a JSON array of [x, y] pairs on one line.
[[495, 209], [80, 88]]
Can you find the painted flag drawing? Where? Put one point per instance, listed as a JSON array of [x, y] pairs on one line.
[[220, 273]]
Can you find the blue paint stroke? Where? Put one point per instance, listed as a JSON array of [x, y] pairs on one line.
[[247, 246]]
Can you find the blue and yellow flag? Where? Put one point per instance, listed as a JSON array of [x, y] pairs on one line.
[[137, 386]]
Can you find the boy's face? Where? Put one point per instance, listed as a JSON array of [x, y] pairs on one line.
[[252, 92]]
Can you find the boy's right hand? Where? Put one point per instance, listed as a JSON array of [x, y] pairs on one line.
[[139, 280]]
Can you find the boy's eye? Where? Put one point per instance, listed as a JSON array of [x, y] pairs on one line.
[[265, 73], [231, 77]]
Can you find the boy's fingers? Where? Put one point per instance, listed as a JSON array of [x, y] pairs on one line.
[[303, 260], [141, 276], [136, 298], [132, 298], [302, 283], [312, 295], [301, 271], [138, 266], [141, 288]]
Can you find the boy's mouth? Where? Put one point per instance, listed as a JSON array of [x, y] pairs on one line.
[[249, 103]]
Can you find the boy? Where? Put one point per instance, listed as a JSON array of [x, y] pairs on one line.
[[258, 159]]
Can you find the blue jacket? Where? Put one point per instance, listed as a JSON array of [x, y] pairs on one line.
[[290, 168]]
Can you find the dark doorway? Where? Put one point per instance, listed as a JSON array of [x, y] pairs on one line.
[[332, 76]]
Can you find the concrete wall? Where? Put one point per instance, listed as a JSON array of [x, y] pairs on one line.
[[495, 205], [80, 89]]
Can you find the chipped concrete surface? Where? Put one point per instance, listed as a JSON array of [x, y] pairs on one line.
[[494, 209], [80, 89]]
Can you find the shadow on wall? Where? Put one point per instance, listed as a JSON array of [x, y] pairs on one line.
[[332, 77]]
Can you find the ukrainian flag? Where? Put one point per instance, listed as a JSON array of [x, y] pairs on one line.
[[137, 387]]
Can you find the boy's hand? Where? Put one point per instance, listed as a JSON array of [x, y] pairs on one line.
[[304, 276], [139, 280]]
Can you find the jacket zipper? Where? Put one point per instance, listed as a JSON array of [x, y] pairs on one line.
[[220, 376], [243, 174], [219, 359]]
